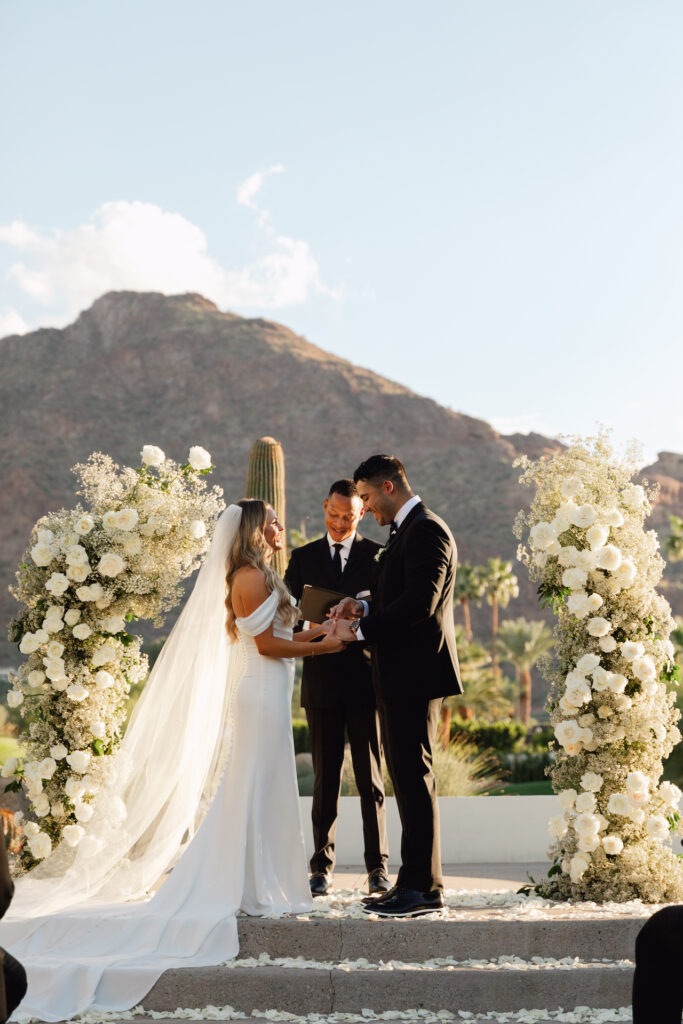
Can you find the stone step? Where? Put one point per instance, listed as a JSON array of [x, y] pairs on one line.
[[419, 939], [310, 990]]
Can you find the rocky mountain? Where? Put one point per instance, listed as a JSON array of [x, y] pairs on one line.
[[174, 371]]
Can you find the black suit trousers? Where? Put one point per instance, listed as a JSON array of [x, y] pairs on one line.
[[657, 983], [409, 734], [327, 728]]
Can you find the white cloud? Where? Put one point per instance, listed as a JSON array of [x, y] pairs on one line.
[[12, 322], [139, 246], [522, 423]]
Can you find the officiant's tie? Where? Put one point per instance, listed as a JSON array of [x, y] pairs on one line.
[[336, 559]]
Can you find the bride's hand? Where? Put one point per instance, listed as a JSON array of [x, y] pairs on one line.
[[328, 626], [330, 644], [348, 608]]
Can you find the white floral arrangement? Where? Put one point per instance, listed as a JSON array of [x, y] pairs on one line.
[[614, 716], [120, 556]]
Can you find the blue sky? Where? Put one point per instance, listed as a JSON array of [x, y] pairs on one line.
[[479, 199]]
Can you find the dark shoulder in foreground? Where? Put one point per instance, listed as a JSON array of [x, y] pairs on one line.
[[434, 522]]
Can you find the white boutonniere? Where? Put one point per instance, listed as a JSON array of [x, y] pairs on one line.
[[382, 551]]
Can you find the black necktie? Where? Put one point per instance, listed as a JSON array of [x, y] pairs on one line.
[[393, 529], [336, 558]]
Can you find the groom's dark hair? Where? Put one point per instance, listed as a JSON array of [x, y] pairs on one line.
[[345, 487], [383, 467]]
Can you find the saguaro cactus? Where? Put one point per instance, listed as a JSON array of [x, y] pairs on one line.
[[266, 480]]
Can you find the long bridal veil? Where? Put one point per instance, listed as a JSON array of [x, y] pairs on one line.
[[168, 766]]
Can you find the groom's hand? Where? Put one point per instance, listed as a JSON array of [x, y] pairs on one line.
[[344, 631], [348, 608]]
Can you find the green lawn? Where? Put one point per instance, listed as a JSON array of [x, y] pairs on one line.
[[9, 747]]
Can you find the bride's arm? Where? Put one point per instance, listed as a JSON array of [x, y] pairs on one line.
[[249, 591]]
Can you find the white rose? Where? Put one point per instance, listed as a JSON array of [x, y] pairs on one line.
[[597, 626], [566, 705], [566, 799], [577, 604], [560, 524], [199, 458], [76, 555], [54, 649], [578, 866], [644, 668], [111, 564], [604, 711], [613, 517], [114, 624], [98, 730], [587, 719], [557, 826], [72, 834], [571, 486], [594, 601], [575, 579], [597, 536], [626, 574], [589, 843], [72, 616], [83, 812], [637, 786], [607, 644], [78, 573], [103, 655], [197, 529], [85, 593], [103, 680], [15, 698], [649, 688], [670, 794], [57, 584], [42, 554], [103, 603], [619, 803], [637, 815], [542, 535], [84, 524], [79, 760], [41, 805], [586, 824], [48, 766], [147, 529], [633, 495], [132, 545], [36, 677], [109, 521], [31, 829], [568, 732], [585, 803], [82, 631], [657, 827], [9, 767], [631, 649], [592, 782], [578, 692], [45, 536], [90, 783], [58, 751], [74, 788], [586, 560], [587, 663], [622, 702], [55, 672], [567, 556], [53, 625], [126, 519], [40, 845], [42, 635], [76, 692], [151, 455], [29, 643], [612, 845], [583, 516], [609, 558]]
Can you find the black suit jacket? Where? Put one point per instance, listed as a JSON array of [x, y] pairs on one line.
[[344, 679], [410, 624]]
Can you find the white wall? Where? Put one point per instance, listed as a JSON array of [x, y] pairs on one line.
[[474, 829]]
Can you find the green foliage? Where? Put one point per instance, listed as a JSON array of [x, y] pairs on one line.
[[553, 596], [674, 542], [522, 642], [302, 740], [500, 736], [500, 582], [297, 538]]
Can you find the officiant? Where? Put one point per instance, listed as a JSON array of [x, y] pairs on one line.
[[338, 696]]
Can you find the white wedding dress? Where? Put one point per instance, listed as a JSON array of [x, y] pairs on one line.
[[247, 854]]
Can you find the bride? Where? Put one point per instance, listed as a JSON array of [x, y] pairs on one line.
[[204, 783]]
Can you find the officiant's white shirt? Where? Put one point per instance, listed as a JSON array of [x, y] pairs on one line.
[[398, 519]]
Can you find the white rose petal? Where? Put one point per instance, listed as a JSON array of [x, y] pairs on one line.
[[592, 782], [577, 604], [607, 644], [72, 616], [29, 643], [54, 649], [82, 631], [114, 624], [41, 805], [597, 536], [598, 626], [74, 788], [42, 554], [57, 584], [31, 829], [76, 692], [587, 663], [619, 803], [557, 826], [612, 845], [585, 803], [657, 827], [631, 649], [609, 558], [84, 524], [575, 579], [567, 798], [644, 668], [79, 760], [126, 519], [567, 556], [586, 560], [83, 812], [578, 866], [58, 751], [542, 535], [72, 834], [48, 766], [583, 516], [199, 458], [40, 846], [111, 564], [78, 573], [36, 677], [109, 520], [103, 680], [132, 545]]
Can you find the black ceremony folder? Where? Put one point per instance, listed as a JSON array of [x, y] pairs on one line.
[[316, 602]]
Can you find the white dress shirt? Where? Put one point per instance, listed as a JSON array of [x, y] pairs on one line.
[[345, 549], [398, 519]]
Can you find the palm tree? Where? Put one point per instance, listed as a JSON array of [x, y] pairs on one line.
[[674, 542], [522, 643], [500, 586], [469, 586]]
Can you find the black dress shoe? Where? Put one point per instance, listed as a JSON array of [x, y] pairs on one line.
[[378, 881], [407, 903], [320, 882], [380, 898]]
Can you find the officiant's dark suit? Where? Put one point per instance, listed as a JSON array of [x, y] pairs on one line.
[[411, 630], [339, 699]]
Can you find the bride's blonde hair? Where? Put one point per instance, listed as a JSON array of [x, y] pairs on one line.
[[250, 547]]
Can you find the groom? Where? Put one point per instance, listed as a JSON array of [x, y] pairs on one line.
[[409, 624]]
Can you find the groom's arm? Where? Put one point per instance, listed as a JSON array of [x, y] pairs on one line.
[[427, 557]]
